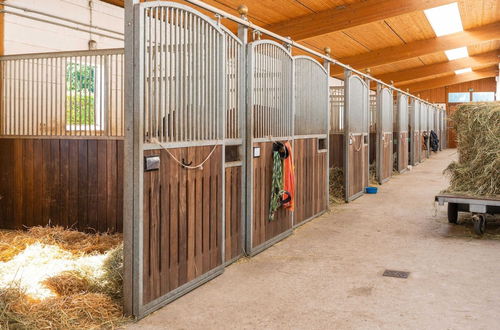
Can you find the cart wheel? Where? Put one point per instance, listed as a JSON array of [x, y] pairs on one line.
[[452, 213], [479, 224]]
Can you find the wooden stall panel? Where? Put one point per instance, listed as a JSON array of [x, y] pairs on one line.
[[64, 182], [233, 230], [386, 170], [264, 230], [182, 227], [403, 151], [358, 165], [310, 180]]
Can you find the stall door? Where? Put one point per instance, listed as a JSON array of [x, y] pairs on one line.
[[311, 139], [384, 134], [179, 110], [414, 132], [402, 125], [270, 118], [356, 136]]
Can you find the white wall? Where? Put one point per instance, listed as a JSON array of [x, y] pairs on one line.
[[24, 35]]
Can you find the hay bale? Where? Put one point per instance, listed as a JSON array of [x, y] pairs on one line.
[[337, 191], [478, 136]]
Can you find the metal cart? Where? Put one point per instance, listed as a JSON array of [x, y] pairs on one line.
[[479, 207]]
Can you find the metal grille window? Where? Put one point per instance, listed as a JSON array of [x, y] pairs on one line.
[[373, 111], [183, 76], [62, 94], [337, 109], [272, 90], [233, 79]]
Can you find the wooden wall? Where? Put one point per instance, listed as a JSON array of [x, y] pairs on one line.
[[386, 157], [72, 183], [264, 230], [358, 166], [182, 220], [310, 180]]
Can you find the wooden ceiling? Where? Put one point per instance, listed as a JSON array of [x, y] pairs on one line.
[[390, 37]]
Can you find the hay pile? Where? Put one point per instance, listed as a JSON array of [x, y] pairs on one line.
[[53, 278], [337, 191], [478, 136]]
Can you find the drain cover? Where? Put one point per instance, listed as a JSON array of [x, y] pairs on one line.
[[396, 273]]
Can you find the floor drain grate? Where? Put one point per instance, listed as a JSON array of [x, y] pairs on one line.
[[396, 273]]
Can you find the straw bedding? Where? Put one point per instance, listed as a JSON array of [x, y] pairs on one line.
[[337, 190], [477, 172], [54, 278]]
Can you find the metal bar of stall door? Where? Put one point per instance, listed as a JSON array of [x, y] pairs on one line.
[[379, 134], [245, 134], [247, 130], [367, 128], [326, 65], [347, 76]]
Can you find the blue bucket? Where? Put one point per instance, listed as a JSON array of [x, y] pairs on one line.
[[371, 190]]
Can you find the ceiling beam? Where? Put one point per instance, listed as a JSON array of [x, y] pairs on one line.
[[349, 15], [475, 61], [421, 47], [450, 80]]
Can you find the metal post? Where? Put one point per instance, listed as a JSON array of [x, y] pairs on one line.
[[380, 134], [326, 65], [132, 212], [347, 110], [367, 127]]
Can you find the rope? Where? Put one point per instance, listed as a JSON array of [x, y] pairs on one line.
[[189, 167]]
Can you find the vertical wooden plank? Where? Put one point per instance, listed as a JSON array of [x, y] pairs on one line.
[[199, 221], [214, 169], [83, 186], [28, 187], [93, 184], [192, 155], [101, 188], [6, 183], [111, 185], [154, 232], [120, 159], [182, 220], [174, 216], [54, 182], [146, 252], [64, 200], [219, 236], [165, 175], [38, 189], [228, 219], [46, 181], [206, 217], [73, 177]]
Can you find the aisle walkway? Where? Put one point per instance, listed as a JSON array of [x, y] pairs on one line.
[[328, 275]]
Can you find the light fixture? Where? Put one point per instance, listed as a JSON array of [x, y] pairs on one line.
[[445, 19], [456, 53], [466, 70]]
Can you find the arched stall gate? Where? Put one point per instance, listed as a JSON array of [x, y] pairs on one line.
[[415, 137], [270, 118], [310, 139], [402, 133], [183, 177], [204, 112], [384, 133], [356, 136]]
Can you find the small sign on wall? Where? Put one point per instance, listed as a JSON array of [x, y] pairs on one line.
[[151, 163]]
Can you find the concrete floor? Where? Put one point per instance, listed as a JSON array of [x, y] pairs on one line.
[[329, 273]]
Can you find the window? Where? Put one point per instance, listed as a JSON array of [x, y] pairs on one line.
[[83, 106], [483, 96], [458, 97]]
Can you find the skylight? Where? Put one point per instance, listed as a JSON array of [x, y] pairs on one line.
[[445, 19], [456, 53], [466, 70]]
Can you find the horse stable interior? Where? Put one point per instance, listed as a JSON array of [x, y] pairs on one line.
[[206, 131]]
